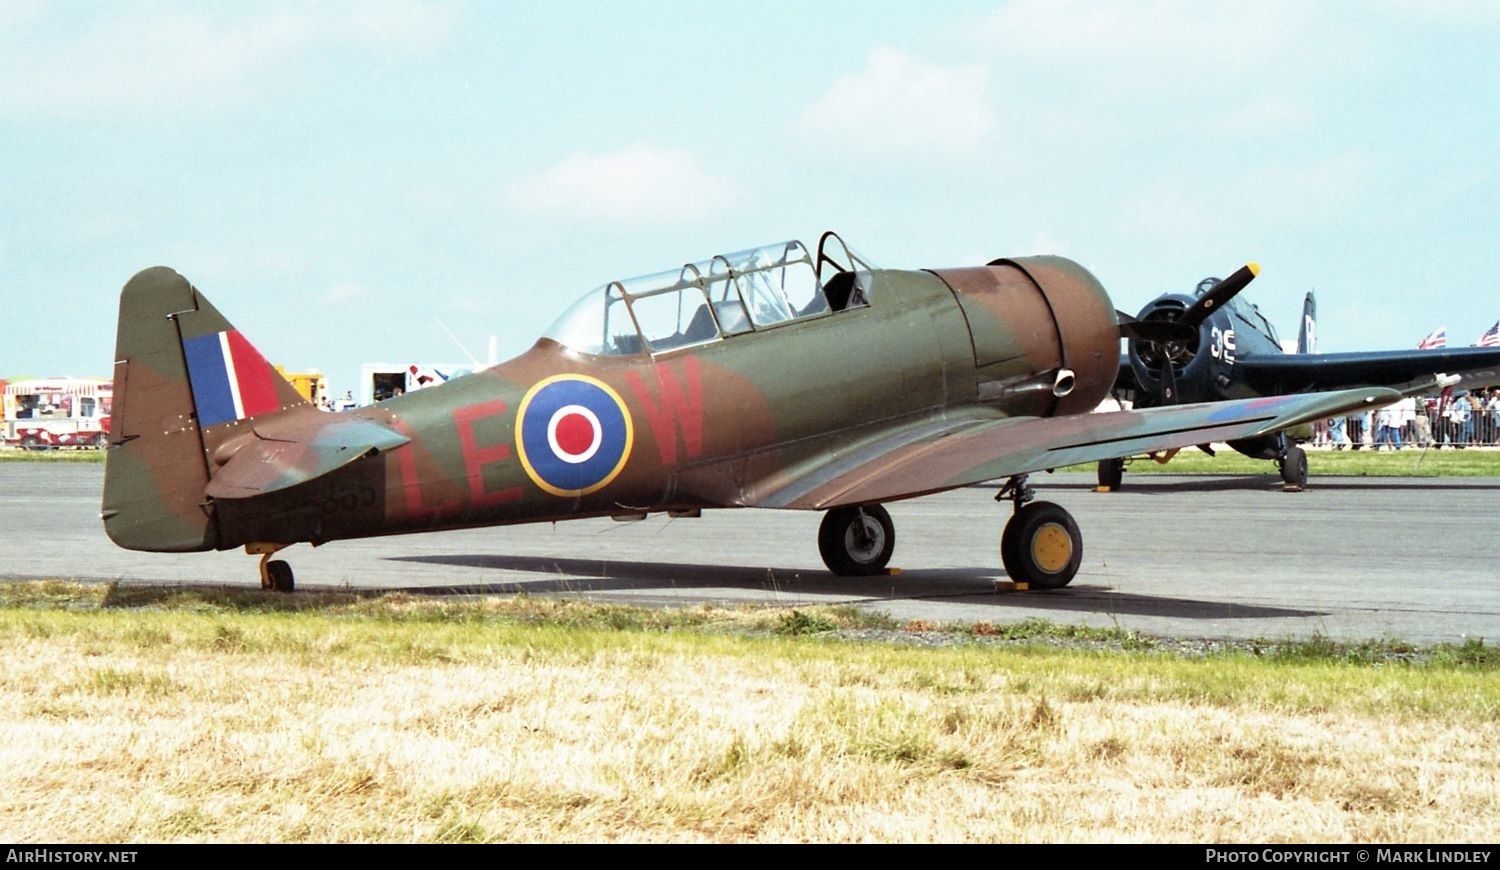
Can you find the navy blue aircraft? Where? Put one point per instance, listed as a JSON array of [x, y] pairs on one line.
[[1213, 346]]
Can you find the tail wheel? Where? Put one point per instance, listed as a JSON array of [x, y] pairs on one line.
[[279, 576], [857, 539], [1041, 546], [275, 574]]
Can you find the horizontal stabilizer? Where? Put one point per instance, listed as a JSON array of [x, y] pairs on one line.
[[283, 453]]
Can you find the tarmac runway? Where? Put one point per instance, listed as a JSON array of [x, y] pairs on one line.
[[1203, 556]]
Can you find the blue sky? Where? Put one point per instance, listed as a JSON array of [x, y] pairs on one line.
[[349, 182]]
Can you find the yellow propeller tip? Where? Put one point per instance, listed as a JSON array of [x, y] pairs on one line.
[[1253, 267]]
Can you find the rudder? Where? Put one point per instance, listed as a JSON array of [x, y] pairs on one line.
[[1307, 335]]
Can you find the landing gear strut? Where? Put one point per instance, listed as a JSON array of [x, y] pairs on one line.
[[1041, 545], [275, 574], [856, 540]]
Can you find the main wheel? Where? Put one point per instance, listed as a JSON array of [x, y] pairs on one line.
[[1294, 467], [280, 574], [1111, 473], [857, 539], [1041, 546]]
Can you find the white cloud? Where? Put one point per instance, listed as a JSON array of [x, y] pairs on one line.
[[1483, 12], [396, 25], [1185, 43], [1267, 113], [172, 57], [1150, 63], [344, 291], [1191, 211], [1298, 195], [900, 106], [640, 183]]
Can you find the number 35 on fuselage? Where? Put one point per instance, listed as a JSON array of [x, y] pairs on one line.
[[777, 377]]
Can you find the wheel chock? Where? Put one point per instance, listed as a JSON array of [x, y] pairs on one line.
[[1011, 586]]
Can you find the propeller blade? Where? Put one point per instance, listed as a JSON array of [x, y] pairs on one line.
[[1168, 383], [1159, 331], [1221, 293]]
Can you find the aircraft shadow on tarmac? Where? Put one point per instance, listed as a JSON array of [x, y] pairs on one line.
[[972, 586], [574, 574]]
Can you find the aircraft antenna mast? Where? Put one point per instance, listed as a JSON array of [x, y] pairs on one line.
[[457, 342]]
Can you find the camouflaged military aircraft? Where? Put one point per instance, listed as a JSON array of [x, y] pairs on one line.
[[776, 377]]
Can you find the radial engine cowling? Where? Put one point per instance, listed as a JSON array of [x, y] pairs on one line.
[[1046, 338], [1191, 365]]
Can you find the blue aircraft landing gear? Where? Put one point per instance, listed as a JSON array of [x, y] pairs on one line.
[[1041, 546], [275, 574]]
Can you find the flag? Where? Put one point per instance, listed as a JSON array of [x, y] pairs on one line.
[[1491, 338], [229, 378], [1437, 338]]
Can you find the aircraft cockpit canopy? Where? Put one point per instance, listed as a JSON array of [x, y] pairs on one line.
[[1245, 311], [1249, 312], [708, 300]]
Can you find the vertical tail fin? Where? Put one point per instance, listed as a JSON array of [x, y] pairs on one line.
[[185, 379], [1307, 336]]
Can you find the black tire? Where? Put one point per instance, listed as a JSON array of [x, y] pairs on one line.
[[280, 574], [1041, 546], [1294, 467], [30, 442], [1111, 473], [857, 540]]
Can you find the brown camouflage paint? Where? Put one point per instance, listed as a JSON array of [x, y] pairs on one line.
[[809, 413]]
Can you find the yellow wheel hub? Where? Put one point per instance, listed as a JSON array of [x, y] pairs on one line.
[[1051, 548]]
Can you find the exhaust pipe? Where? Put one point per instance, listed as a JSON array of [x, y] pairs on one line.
[[1062, 384], [1065, 383]]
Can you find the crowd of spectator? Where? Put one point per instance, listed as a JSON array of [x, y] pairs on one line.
[[1467, 418]]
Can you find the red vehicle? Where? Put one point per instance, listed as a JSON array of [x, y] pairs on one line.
[[57, 412]]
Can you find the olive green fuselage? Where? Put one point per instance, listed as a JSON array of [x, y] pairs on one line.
[[557, 434]]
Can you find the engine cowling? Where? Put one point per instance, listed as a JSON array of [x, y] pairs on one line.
[[1045, 335], [1148, 359]]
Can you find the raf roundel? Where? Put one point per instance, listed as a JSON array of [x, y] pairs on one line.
[[573, 434]]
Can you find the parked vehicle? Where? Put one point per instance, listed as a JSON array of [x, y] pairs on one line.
[[57, 412]]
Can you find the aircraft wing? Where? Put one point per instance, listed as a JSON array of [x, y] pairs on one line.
[[1409, 371], [284, 453], [974, 451]]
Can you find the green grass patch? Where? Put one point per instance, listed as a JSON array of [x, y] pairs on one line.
[[418, 627], [61, 455], [1472, 462]]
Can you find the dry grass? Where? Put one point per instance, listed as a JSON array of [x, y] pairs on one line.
[[403, 721]]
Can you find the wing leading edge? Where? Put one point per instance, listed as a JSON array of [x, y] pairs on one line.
[[998, 448], [1411, 372]]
